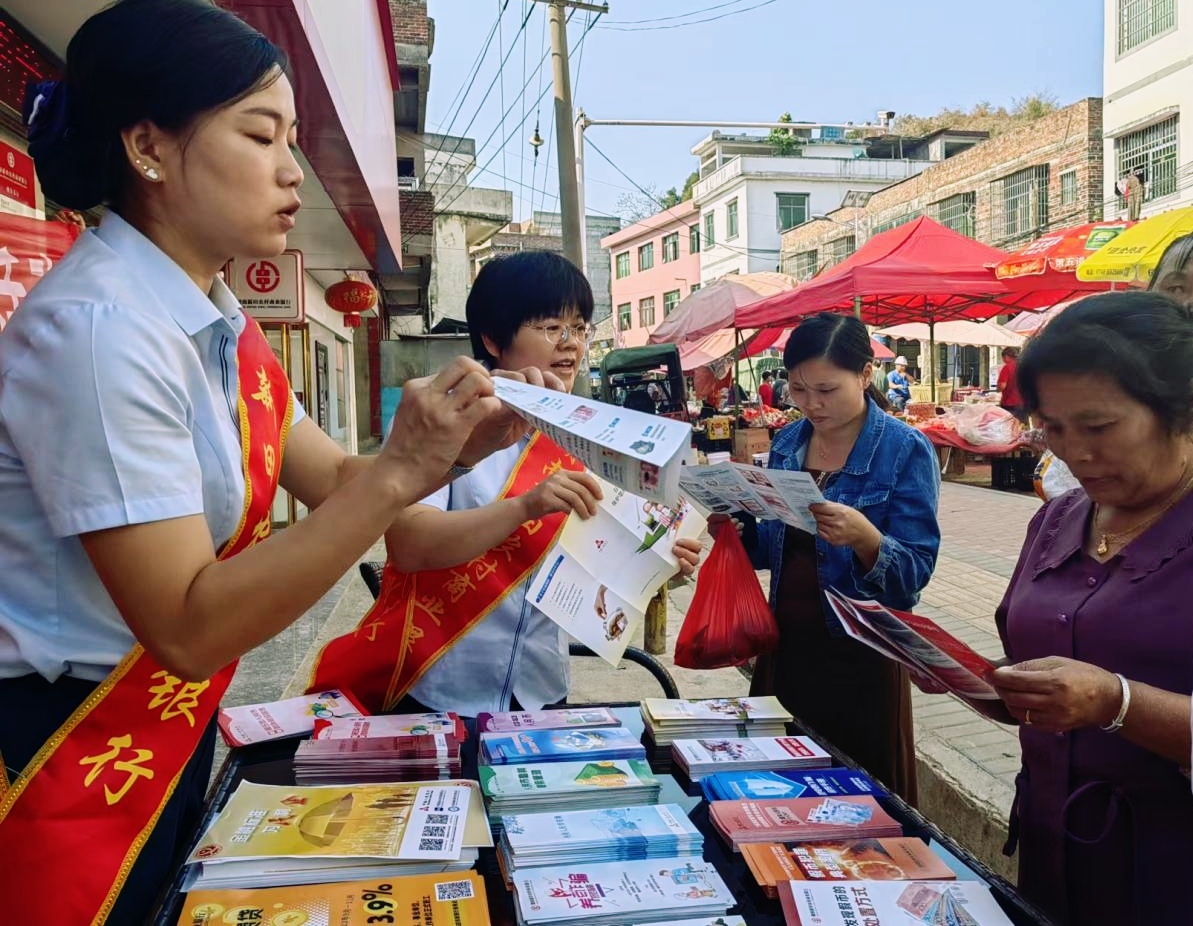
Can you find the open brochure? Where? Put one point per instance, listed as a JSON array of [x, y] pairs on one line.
[[257, 723], [917, 643], [602, 572], [639, 452], [777, 494]]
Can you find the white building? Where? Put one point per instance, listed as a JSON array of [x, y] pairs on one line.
[[1148, 116], [748, 196]]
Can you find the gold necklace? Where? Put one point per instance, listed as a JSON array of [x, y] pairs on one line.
[[1122, 538]]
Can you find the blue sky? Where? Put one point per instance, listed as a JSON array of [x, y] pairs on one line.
[[825, 61]]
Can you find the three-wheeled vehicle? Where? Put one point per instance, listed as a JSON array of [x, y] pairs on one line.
[[645, 378]]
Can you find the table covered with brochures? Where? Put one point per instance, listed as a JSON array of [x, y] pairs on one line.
[[272, 763]]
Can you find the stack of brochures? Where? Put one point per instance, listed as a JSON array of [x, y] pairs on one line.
[[895, 858], [259, 723], [270, 835], [554, 786], [766, 784], [395, 747], [801, 819], [567, 718], [709, 921], [613, 893], [534, 840], [591, 743], [669, 719], [890, 903], [446, 898], [698, 758]]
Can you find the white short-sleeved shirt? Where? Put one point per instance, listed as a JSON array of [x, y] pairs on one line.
[[118, 393], [515, 650]]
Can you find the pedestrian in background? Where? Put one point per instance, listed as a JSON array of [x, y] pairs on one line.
[[899, 383], [145, 426], [877, 539], [1095, 618], [767, 389], [1008, 384]]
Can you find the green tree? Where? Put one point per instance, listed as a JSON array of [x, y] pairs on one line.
[[783, 141], [693, 179]]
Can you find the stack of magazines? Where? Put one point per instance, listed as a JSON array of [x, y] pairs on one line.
[[669, 719], [566, 718], [395, 747], [535, 840], [591, 743], [614, 893], [554, 786], [890, 903], [802, 819], [767, 785], [702, 757], [271, 835], [894, 858]]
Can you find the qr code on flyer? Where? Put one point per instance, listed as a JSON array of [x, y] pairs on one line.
[[453, 890]]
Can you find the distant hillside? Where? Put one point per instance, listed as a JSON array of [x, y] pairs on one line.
[[984, 117]]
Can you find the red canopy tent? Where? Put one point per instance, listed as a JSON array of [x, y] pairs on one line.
[[920, 271]]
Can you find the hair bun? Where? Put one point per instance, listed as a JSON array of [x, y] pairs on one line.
[[72, 167]]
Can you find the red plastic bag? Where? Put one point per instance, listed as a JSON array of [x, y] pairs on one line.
[[728, 620]]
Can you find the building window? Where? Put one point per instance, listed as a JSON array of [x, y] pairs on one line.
[[802, 266], [1152, 151], [1141, 20], [646, 311], [792, 209], [624, 316], [1019, 204], [623, 265], [956, 212], [694, 287], [708, 242], [731, 219], [646, 256], [896, 221], [1068, 188], [670, 301], [693, 239], [838, 249], [670, 247]]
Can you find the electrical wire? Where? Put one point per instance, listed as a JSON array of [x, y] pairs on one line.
[[659, 19], [695, 22]]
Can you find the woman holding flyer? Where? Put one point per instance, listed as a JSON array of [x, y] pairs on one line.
[[877, 538], [1096, 618], [453, 602]]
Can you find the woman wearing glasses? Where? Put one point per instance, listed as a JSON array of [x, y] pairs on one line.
[[460, 562]]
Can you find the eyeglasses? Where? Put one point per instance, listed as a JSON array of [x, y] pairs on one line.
[[561, 334]]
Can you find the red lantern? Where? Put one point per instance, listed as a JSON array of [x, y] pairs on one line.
[[351, 297]]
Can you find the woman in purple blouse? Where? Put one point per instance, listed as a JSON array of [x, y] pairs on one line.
[[1096, 620]]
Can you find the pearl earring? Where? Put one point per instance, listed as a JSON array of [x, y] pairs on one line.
[[151, 173]]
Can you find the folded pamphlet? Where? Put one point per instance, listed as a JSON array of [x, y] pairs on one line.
[[776, 494]]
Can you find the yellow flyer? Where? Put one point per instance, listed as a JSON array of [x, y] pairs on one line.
[[456, 899]]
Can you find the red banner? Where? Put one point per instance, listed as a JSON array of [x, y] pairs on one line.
[[28, 249]]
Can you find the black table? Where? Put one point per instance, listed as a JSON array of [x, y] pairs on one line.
[[272, 763]]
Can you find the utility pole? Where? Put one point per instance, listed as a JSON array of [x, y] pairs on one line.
[[569, 195]]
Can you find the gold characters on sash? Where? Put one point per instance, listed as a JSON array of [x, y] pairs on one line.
[[263, 393], [131, 767], [179, 702]]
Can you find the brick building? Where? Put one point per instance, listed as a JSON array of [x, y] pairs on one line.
[[1005, 191]]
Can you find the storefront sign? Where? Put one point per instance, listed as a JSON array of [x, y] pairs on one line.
[[270, 289], [16, 176], [28, 249]]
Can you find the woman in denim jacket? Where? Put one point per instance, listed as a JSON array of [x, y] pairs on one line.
[[877, 539]]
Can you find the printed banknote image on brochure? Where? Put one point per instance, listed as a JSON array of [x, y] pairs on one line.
[[639, 452], [917, 643], [773, 494], [601, 574]]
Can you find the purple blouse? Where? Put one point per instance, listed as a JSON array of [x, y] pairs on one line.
[[1105, 827]]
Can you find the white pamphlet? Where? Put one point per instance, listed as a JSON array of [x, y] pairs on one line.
[[777, 494], [639, 452], [602, 572]]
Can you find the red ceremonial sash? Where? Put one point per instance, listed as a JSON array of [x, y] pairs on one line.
[[74, 821], [419, 615]]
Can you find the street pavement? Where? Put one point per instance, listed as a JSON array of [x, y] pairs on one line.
[[967, 763]]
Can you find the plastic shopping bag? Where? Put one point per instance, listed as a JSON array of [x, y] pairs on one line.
[[728, 620]]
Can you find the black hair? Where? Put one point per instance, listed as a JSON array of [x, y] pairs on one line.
[[520, 288], [1178, 252], [840, 339], [1141, 340], [1010, 352], [781, 374], [166, 61], [767, 374]]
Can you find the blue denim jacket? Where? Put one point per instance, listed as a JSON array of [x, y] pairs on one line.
[[893, 478]]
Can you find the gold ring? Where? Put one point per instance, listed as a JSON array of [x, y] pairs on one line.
[[1027, 717]]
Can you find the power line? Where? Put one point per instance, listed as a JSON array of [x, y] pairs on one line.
[[659, 19], [694, 22]]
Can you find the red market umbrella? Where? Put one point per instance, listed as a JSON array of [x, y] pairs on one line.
[[712, 308], [1057, 255], [777, 338], [920, 271]]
